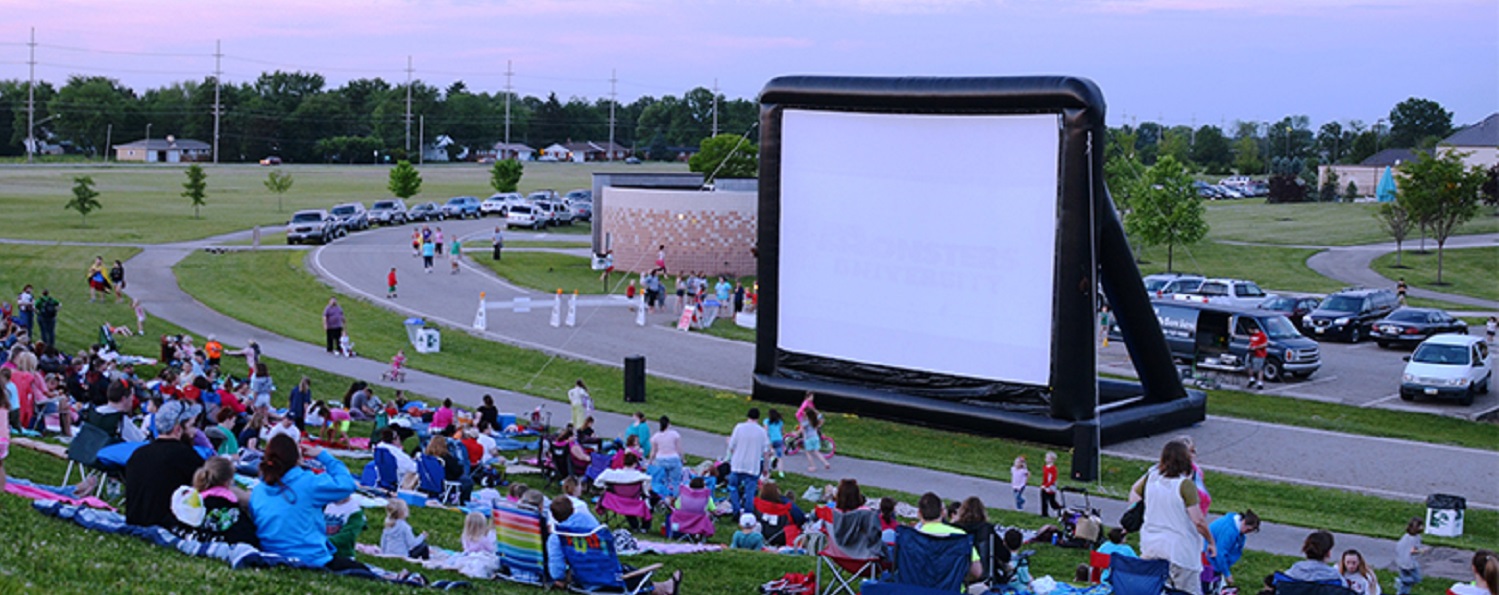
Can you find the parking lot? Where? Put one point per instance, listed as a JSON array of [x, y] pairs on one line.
[[1360, 374]]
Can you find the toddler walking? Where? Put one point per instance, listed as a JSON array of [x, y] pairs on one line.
[[1405, 556], [1019, 476], [140, 316], [390, 284]]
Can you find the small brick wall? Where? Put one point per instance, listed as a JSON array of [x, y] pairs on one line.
[[709, 232]]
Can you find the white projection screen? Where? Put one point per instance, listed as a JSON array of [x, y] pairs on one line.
[[920, 241]]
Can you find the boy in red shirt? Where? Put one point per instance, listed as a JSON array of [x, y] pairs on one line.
[[1049, 486], [390, 284], [1259, 348]]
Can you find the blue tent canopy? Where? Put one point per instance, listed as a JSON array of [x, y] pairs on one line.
[[1385, 191]]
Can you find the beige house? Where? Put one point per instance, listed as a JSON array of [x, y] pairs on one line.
[[1365, 175], [1480, 141], [164, 150]]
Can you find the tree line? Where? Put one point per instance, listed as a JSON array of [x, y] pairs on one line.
[[297, 116]]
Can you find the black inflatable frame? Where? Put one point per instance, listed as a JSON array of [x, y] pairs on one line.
[[1076, 409]]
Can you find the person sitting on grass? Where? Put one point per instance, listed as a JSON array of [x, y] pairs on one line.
[[1115, 546], [157, 469], [288, 504], [399, 539], [748, 537], [1315, 568]]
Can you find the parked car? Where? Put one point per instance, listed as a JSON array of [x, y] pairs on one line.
[[427, 211], [313, 225], [582, 209], [1349, 314], [544, 211], [1409, 326], [561, 213], [523, 216], [1163, 284], [1229, 292], [352, 215], [1292, 307], [271, 160], [1451, 366], [544, 194], [579, 194], [1213, 336], [497, 203], [388, 212], [461, 207]]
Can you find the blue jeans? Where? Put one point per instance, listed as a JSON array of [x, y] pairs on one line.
[[742, 492], [671, 468], [1407, 579]]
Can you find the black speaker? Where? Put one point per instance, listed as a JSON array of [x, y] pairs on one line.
[[635, 379], [1085, 450]]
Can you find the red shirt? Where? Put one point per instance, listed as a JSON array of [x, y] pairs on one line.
[[391, 279], [228, 399], [475, 450], [1048, 476], [1259, 344]]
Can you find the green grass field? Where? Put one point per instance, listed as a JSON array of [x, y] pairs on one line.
[[1273, 268], [1473, 272], [1313, 224], [284, 281], [144, 203]]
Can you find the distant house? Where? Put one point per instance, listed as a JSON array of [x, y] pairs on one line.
[[555, 152], [437, 150], [596, 151], [1481, 140], [516, 151], [1365, 175], [164, 150]]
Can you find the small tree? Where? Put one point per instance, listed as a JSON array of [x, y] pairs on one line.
[[195, 187], [85, 198], [1442, 193], [405, 181], [1350, 192], [1397, 222], [1329, 190], [278, 182], [726, 156], [1166, 208], [505, 175]]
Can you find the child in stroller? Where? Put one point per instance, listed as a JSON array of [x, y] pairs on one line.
[[397, 372]]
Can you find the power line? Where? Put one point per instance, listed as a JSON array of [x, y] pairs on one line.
[[121, 52]]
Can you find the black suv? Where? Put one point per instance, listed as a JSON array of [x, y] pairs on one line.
[[1349, 314]]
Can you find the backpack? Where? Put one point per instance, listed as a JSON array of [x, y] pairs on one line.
[[47, 307]]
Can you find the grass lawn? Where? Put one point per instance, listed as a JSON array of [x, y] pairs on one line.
[[1473, 272], [284, 281], [1423, 427], [143, 203], [1314, 224], [1272, 268]]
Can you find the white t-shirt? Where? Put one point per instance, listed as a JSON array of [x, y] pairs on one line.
[[747, 447]]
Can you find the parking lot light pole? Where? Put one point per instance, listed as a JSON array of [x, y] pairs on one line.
[[146, 158]]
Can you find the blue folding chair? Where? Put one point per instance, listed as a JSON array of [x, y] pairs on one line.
[[926, 564], [594, 565], [1137, 576], [381, 473], [430, 475]]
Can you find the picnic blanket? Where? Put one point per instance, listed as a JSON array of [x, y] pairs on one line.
[[237, 555], [471, 564], [33, 491]]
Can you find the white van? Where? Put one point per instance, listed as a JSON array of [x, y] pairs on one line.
[[1452, 366]]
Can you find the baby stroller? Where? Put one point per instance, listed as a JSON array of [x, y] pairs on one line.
[[397, 371], [1082, 527]]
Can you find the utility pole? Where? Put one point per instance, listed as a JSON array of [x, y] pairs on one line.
[[31, 101], [408, 107], [612, 79], [508, 73], [218, 75], [421, 140], [109, 133], [715, 107]]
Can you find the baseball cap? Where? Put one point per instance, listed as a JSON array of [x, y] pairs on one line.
[[747, 520], [175, 413]]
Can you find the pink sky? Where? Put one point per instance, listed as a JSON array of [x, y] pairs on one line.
[[1176, 61]]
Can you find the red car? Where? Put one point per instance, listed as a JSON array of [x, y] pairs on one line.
[[272, 160]]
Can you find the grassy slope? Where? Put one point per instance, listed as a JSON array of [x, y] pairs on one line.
[[144, 204], [282, 275], [1273, 268], [1473, 272], [1319, 224]]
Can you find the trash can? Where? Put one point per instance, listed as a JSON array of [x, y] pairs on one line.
[[1444, 515], [635, 379], [414, 326]]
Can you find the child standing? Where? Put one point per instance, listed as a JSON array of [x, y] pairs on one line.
[[1405, 556], [390, 284], [478, 533], [1049, 486], [1491, 328], [748, 537], [810, 420], [140, 318], [398, 539], [775, 429], [455, 253], [1019, 476]]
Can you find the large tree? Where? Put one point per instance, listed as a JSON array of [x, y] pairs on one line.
[[1442, 193], [1416, 119], [1166, 209], [727, 156], [1211, 151], [89, 106]]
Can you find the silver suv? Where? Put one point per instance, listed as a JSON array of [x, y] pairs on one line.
[[388, 212], [314, 225], [352, 215]]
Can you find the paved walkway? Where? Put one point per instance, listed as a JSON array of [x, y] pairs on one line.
[[153, 283], [1350, 264]]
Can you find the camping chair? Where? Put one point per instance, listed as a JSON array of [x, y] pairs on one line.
[[686, 521], [1098, 566], [520, 539], [1137, 576], [432, 479], [846, 571], [84, 451], [1285, 585], [381, 473], [625, 499], [594, 564], [926, 564], [775, 522]]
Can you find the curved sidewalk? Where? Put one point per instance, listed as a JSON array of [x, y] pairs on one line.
[[154, 283], [1351, 264]]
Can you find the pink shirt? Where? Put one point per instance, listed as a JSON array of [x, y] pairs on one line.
[[666, 443], [442, 418]]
